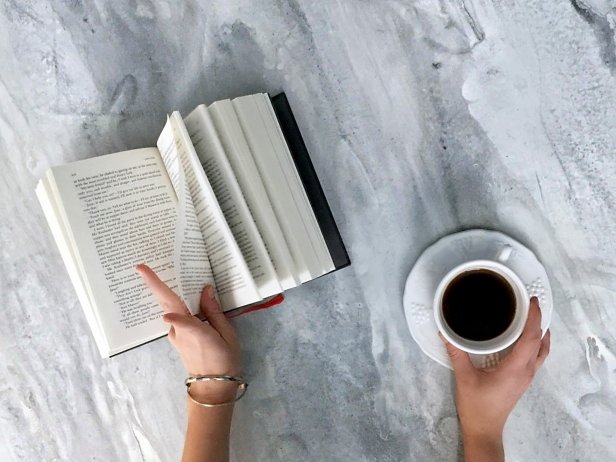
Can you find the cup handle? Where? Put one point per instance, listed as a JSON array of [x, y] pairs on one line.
[[505, 253]]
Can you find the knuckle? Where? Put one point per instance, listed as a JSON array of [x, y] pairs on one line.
[[451, 351]]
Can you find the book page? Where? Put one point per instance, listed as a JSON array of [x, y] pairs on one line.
[[120, 210], [283, 185], [233, 282], [290, 170], [51, 210], [222, 179], [190, 255], [243, 165]]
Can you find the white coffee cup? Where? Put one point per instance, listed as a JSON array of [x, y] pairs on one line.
[[512, 333]]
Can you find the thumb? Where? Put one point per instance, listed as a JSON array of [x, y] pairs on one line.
[[214, 314], [460, 360]]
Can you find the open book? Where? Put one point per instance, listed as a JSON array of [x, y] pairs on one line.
[[228, 197]]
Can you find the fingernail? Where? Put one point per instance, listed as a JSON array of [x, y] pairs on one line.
[[534, 299], [210, 292]]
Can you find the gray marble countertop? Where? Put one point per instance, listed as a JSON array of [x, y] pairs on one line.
[[422, 118]]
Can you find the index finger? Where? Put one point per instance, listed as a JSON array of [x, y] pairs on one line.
[[169, 301], [532, 328], [527, 347]]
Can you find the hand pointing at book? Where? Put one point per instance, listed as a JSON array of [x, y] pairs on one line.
[[206, 348]]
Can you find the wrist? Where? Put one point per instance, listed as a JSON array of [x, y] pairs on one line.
[[482, 436], [481, 427], [480, 446]]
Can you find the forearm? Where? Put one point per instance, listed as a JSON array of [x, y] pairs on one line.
[[207, 436], [211, 353], [483, 447]]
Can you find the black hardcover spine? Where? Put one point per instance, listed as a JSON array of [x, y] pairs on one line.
[[311, 183]]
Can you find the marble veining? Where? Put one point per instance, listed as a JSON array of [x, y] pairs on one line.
[[422, 118]]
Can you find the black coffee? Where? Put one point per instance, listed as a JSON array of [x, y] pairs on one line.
[[479, 305]]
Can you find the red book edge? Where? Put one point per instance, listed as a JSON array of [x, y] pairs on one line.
[[275, 300]]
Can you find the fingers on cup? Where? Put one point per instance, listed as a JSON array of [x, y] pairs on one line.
[[168, 299], [544, 350], [460, 360], [527, 347], [532, 329]]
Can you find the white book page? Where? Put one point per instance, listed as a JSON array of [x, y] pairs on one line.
[[282, 189], [119, 211], [231, 201], [190, 256], [286, 160], [240, 158], [60, 235], [233, 282]]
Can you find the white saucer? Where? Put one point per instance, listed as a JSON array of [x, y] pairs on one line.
[[450, 251]]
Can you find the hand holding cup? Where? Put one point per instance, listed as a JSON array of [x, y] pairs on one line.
[[486, 397]]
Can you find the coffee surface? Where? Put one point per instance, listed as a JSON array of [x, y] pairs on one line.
[[479, 305]]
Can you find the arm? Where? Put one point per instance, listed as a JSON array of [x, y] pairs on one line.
[[486, 397], [207, 435], [206, 348]]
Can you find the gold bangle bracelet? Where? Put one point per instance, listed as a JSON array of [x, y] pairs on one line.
[[241, 385]]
